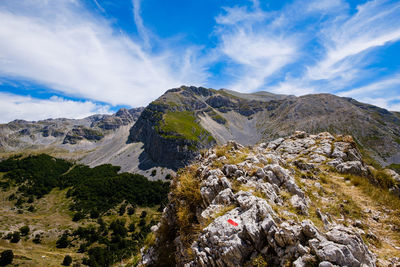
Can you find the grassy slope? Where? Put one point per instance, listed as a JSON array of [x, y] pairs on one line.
[[184, 124], [52, 216]]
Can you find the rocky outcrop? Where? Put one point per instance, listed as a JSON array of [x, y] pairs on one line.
[[80, 133], [252, 208]]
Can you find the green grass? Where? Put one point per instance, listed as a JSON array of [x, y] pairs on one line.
[[182, 124], [395, 167], [380, 195]]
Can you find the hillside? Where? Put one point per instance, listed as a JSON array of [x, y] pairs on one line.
[[51, 208], [185, 120], [307, 200]]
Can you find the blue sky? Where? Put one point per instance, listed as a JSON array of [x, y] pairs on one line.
[[74, 58]]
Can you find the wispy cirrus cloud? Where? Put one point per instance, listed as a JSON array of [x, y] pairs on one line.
[[255, 47], [341, 49]]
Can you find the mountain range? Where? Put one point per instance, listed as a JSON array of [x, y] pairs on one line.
[[171, 130]]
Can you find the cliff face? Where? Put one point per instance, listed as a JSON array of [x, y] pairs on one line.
[[307, 200]]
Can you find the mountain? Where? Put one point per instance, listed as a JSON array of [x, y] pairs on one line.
[[95, 140], [172, 130], [185, 120], [306, 200]]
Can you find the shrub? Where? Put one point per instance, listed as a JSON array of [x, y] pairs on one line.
[[6, 257], [15, 237], [94, 214], [131, 227], [131, 210], [118, 227], [142, 222], [63, 241], [168, 176], [37, 240], [31, 208], [122, 209], [24, 230], [395, 167], [384, 179], [153, 172], [67, 260], [78, 216], [143, 214]]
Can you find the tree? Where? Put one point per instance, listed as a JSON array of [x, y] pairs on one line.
[[67, 260], [15, 237], [78, 216], [132, 227], [24, 230], [94, 214], [37, 240], [143, 214], [131, 210], [122, 209], [6, 257], [63, 241]]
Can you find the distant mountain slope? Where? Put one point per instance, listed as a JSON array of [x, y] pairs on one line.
[[222, 115], [20, 134]]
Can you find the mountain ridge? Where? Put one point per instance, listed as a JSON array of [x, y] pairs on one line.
[[170, 132]]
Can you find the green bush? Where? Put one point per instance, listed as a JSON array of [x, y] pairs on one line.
[[24, 230], [37, 240], [67, 260], [78, 216], [63, 241], [15, 237], [6, 257], [122, 209], [131, 210]]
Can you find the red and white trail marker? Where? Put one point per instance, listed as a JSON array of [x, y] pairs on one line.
[[232, 222]]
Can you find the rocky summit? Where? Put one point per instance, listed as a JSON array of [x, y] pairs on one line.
[[304, 200]]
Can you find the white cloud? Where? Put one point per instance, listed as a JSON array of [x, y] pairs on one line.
[[391, 103], [240, 14], [258, 51], [348, 41], [139, 23], [62, 46], [27, 108], [387, 84]]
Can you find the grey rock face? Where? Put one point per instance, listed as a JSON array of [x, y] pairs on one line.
[[240, 216]]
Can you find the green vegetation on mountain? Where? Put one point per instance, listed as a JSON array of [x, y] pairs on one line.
[[395, 167], [182, 124]]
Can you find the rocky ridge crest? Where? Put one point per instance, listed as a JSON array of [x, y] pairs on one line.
[[278, 203]]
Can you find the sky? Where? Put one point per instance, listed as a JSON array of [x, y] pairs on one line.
[[75, 58]]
